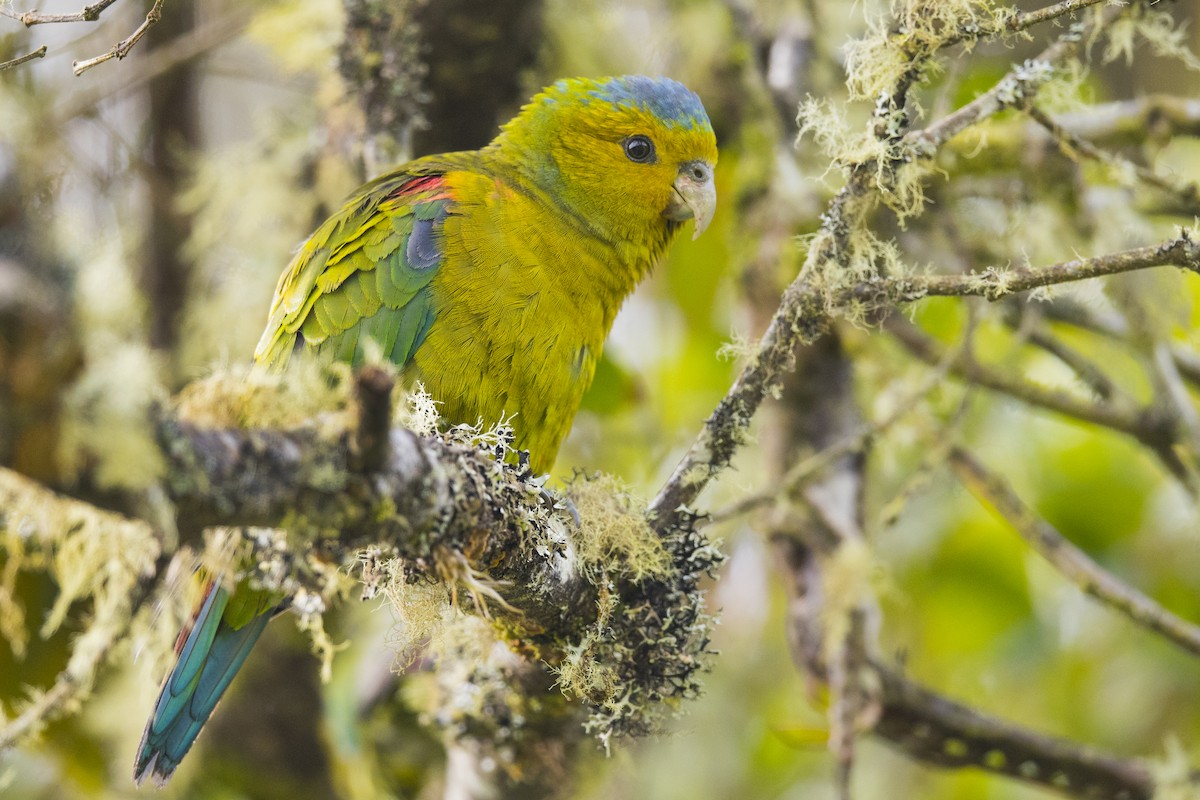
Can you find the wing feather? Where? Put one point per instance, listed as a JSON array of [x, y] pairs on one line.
[[364, 275]]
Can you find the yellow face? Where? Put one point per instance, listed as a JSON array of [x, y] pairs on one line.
[[632, 156]]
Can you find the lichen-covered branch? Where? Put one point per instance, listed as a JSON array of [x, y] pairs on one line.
[[430, 495], [615, 610], [802, 312], [1013, 89], [805, 312], [994, 284]]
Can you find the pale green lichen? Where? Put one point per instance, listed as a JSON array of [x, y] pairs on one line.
[[642, 656], [827, 125], [1165, 35], [1173, 774], [419, 412], [106, 424], [739, 348], [915, 31], [93, 557], [247, 396], [897, 169], [613, 535]]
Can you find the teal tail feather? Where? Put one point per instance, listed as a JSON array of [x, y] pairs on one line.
[[208, 659]]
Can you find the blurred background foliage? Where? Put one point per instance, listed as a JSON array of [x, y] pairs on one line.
[[147, 208]]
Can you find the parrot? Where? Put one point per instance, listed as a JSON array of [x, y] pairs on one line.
[[490, 276]]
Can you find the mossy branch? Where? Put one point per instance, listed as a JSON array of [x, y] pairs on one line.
[[93, 555], [1014, 89]]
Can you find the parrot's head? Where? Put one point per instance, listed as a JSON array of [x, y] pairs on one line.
[[632, 156]]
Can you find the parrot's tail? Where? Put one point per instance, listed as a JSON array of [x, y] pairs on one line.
[[208, 658]]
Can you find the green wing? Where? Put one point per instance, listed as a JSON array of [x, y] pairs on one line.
[[362, 280]]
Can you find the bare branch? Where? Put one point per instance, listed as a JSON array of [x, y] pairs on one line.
[[1142, 423], [1186, 194], [89, 13], [19, 60], [1130, 121], [1115, 328], [122, 48], [1030, 328], [1071, 562], [162, 58]]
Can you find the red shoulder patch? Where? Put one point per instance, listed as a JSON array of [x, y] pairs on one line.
[[432, 186]]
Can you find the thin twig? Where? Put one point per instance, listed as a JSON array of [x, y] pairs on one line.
[[1071, 562], [1115, 328], [1129, 420], [995, 284], [122, 48], [804, 472], [1027, 19], [86, 14], [1031, 328], [19, 60], [1129, 121], [1015, 21], [154, 62], [1187, 193]]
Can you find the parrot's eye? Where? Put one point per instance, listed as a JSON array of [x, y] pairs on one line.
[[640, 149]]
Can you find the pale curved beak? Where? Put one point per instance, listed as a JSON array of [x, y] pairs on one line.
[[695, 195]]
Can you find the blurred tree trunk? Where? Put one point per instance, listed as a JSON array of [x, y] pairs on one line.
[[38, 351], [478, 52], [173, 131]]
